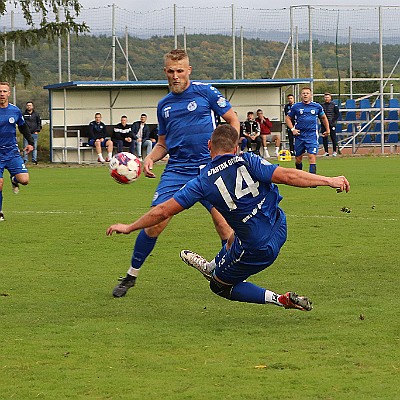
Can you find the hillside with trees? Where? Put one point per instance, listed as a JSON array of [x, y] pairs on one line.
[[211, 57]]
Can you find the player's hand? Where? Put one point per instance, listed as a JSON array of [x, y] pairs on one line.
[[340, 183], [296, 132], [117, 228], [147, 168], [28, 149]]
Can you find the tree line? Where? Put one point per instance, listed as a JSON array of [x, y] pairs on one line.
[[211, 58]]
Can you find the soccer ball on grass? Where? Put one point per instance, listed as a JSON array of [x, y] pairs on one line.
[[125, 168]]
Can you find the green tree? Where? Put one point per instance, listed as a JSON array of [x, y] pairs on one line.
[[50, 27]]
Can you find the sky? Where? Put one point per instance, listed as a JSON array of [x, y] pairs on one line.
[[160, 4]]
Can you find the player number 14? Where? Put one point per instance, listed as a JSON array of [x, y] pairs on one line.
[[242, 176]]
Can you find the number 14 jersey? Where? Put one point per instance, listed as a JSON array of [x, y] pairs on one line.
[[240, 188]]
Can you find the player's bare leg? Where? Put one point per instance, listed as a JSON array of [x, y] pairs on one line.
[[21, 178], [99, 151]]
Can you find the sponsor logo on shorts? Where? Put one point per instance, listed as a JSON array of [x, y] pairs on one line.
[[155, 197]]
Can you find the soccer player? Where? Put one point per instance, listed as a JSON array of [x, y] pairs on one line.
[[302, 120], [10, 157], [242, 188], [186, 119]]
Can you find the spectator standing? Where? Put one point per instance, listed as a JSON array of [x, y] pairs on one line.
[[186, 120], [122, 136], [34, 123], [302, 119], [332, 113], [251, 131], [259, 224], [98, 138], [10, 158], [287, 107], [266, 134], [141, 134]]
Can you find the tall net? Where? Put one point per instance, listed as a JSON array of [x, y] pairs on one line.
[[265, 34]]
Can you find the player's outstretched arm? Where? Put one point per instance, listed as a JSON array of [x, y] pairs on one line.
[[153, 217], [294, 177]]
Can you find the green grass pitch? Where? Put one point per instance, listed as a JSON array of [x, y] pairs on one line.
[[63, 336]]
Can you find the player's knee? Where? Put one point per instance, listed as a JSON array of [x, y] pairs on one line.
[[23, 179], [221, 289]]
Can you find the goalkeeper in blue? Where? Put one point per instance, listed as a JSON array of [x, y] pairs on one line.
[[243, 189]]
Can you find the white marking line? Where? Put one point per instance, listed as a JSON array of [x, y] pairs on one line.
[[146, 209], [68, 212], [342, 217]]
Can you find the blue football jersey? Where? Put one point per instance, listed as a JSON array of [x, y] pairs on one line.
[[9, 117], [306, 116], [187, 120], [240, 188]]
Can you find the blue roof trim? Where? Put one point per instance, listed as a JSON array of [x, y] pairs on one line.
[[164, 83]]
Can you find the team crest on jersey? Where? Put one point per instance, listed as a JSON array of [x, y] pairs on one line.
[[11, 120], [301, 110], [192, 106], [221, 102], [312, 111]]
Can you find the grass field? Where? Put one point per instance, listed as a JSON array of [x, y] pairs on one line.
[[63, 336]]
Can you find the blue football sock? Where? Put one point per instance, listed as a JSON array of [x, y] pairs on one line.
[[1, 200], [143, 247], [247, 292], [313, 168], [299, 166]]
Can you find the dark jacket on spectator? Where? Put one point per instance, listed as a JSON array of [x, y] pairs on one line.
[[145, 132], [121, 132], [331, 111], [33, 121], [97, 131]]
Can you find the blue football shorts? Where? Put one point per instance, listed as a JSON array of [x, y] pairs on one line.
[[171, 181], [238, 263], [303, 143], [14, 166], [103, 143]]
